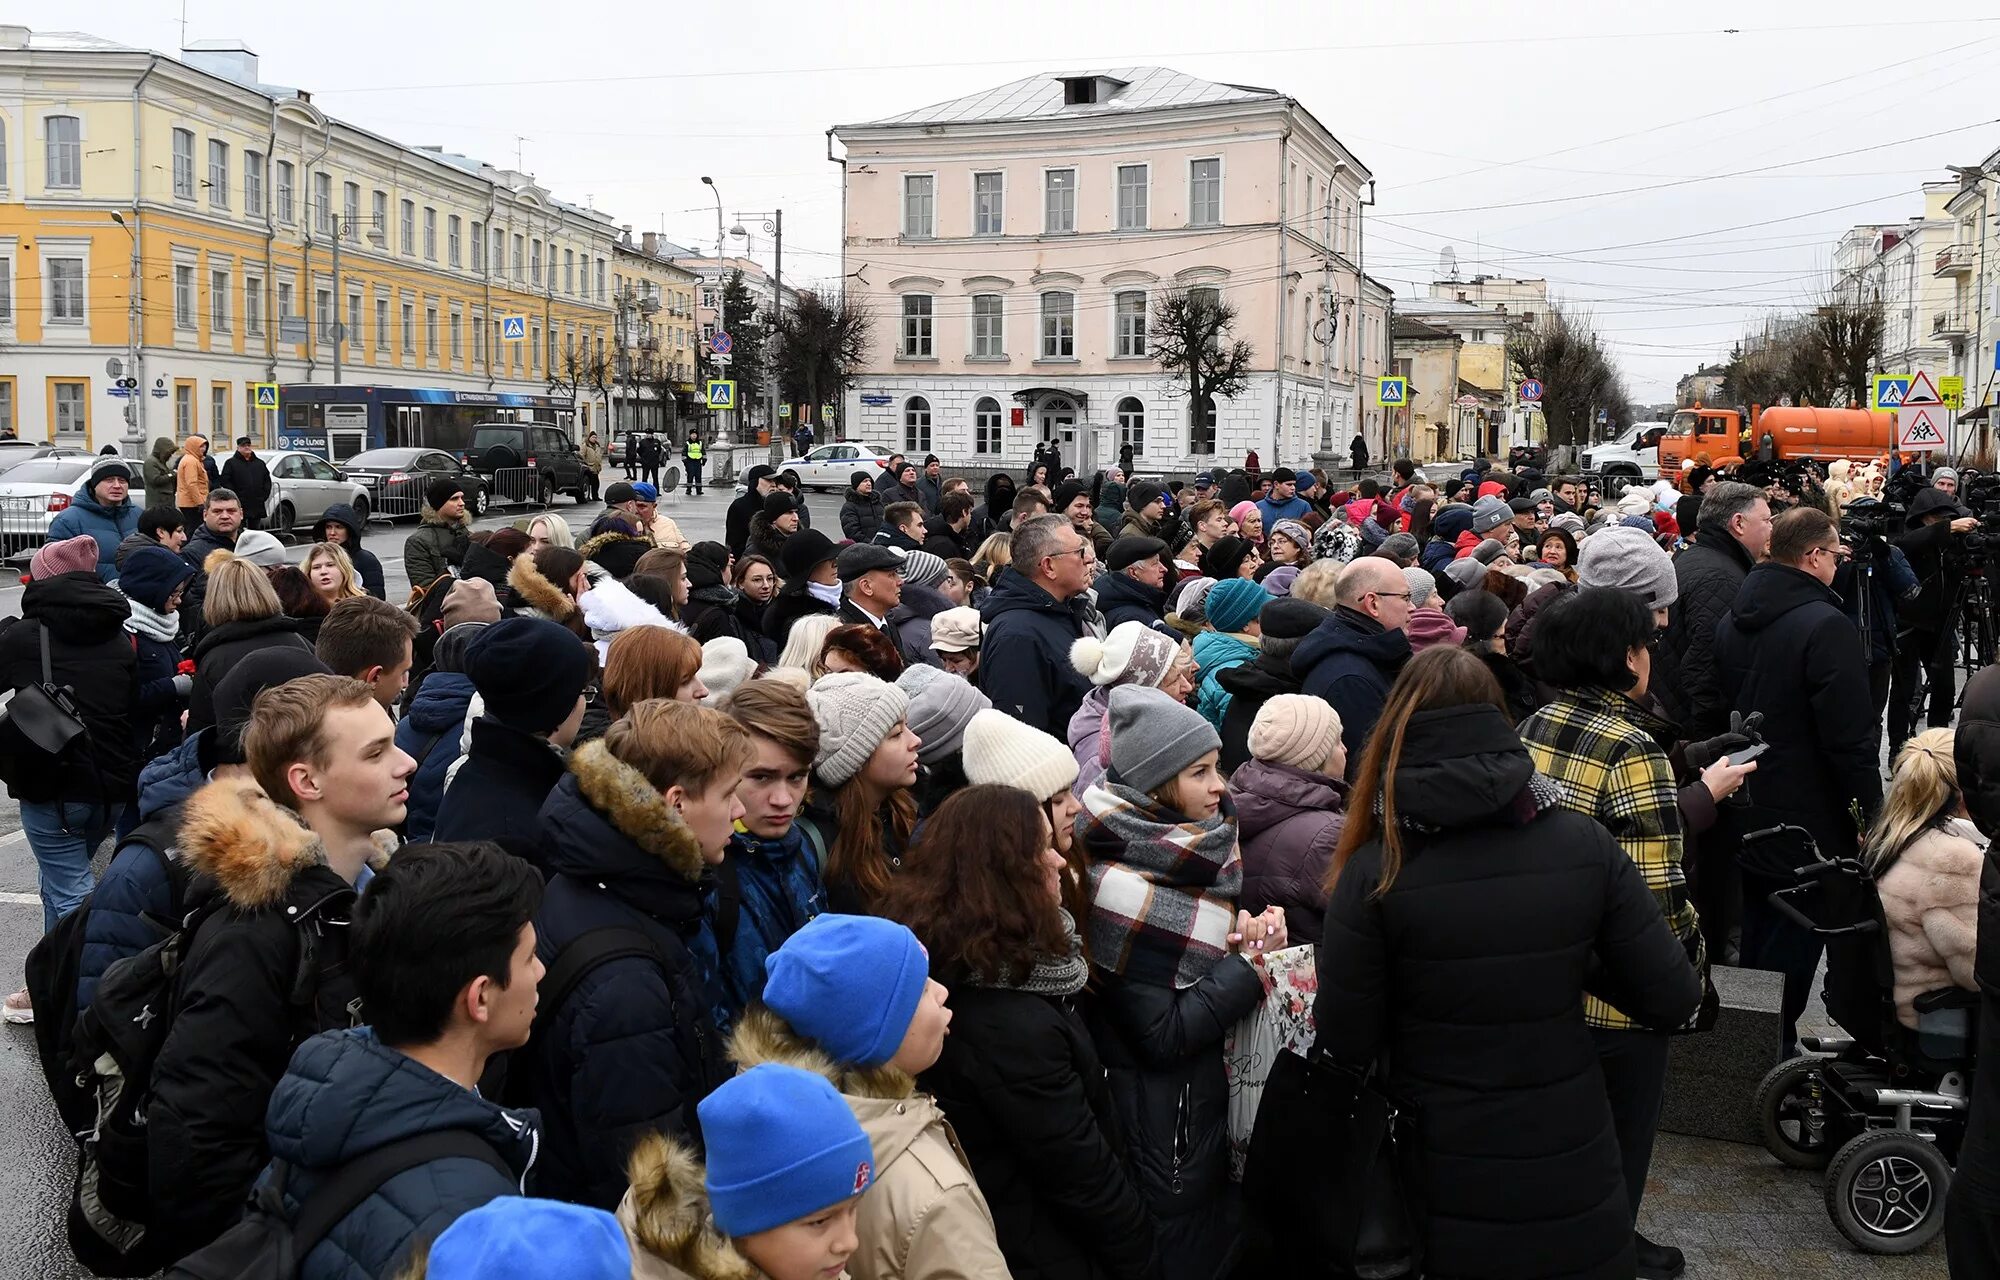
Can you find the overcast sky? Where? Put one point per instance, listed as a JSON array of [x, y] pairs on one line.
[[1513, 133]]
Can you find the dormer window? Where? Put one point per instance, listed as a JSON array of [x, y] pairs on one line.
[[1083, 91]]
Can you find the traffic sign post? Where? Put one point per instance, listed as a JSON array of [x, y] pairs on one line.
[[1921, 424], [1531, 390], [722, 394], [266, 394], [1392, 393], [513, 328]]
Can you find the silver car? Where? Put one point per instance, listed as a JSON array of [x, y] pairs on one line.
[[32, 495], [303, 486], [828, 466]]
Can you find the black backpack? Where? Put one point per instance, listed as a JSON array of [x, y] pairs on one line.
[[267, 1246]]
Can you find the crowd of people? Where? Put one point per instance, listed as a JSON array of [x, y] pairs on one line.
[[787, 906]]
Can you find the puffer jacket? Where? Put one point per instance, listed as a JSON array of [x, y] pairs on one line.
[[91, 654], [1930, 896], [912, 621], [191, 478], [221, 648], [435, 546], [1290, 820], [497, 790], [1351, 660], [634, 1048], [109, 525], [1214, 653], [1024, 663], [1121, 598], [924, 1217], [367, 565], [1086, 734], [1708, 574], [346, 1094], [775, 887], [429, 734], [1249, 687], [158, 469]]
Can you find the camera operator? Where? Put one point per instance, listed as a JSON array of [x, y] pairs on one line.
[[1926, 641], [1873, 575]]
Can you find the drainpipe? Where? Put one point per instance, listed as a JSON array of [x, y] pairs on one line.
[[135, 346], [1284, 281], [840, 401], [270, 245], [1360, 313], [306, 241], [486, 343]]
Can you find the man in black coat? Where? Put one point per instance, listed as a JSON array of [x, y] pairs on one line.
[[1031, 617], [649, 458], [1354, 656], [1934, 518], [1787, 650], [1285, 622], [246, 473], [871, 582], [736, 524], [947, 534], [1972, 1220], [1733, 534], [1133, 586]]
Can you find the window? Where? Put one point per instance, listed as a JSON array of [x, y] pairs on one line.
[[535, 262], [534, 345], [1132, 323], [64, 151], [986, 425], [600, 279], [478, 338], [988, 336], [409, 327], [7, 405], [284, 191], [253, 184], [1204, 193], [1131, 197], [323, 316], [379, 211], [381, 324], [916, 425], [1201, 426], [569, 271], [218, 173], [457, 323], [6, 291], [408, 227], [350, 211], [478, 246], [184, 409], [1058, 326], [431, 234], [1132, 424], [989, 196], [183, 295], [916, 325], [65, 290], [323, 203], [354, 335], [708, 299], [1211, 297], [184, 164], [284, 304], [451, 239], [520, 247], [218, 301], [1059, 201], [70, 409], [431, 332], [218, 408], [919, 205]]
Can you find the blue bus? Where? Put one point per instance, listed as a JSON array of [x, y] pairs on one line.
[[337, 422]]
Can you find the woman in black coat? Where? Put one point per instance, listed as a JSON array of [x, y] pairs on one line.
[[1459, 944], [242, 614]]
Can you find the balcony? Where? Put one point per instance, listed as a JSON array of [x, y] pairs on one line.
[[1950, 324], [1953, 260]]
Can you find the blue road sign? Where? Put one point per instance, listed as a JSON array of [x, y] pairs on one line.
[[1392, 391], [513, 328], [721, 394], [1889, 390], [1531, 389], [722, 344]]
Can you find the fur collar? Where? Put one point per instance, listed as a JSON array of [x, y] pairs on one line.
[[588, 550], [665, 1213], [252, 846], [537, 591], [762, 1036], [430, 515], [635, 807]]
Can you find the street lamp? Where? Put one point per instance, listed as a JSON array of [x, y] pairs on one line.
[[135, 404], [721, 285], [343, 226], [774, 226]]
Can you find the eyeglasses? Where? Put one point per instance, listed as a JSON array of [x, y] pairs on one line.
[[1392, 595], [1083, 550]]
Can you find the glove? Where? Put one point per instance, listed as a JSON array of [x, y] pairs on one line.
[[183, 685], [1743, 732]]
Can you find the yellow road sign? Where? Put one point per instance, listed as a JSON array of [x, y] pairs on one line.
[[722, 394], [266, 394], [1952, 392]]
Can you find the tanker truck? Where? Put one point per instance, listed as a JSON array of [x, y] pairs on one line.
[[1824, 434]]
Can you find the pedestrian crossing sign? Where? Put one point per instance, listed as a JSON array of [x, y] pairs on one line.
[[266, 394], [722, 394], [1890, 388], [513, 328], [1392, 391]]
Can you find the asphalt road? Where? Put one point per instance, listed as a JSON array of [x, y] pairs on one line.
[[36, 1164]]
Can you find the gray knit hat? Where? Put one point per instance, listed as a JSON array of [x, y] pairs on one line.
[[855, 712], [1153, 737], [941, 705], [1399, 546], [1489, 513], [1466, 572], [1628, 558], [1422, 585], [1488, 550], [922, 569]]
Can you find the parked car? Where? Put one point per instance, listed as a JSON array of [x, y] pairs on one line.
[[32, 494], [528, 446], [394, 480], [830, 465], [14, 452], [303, 486]]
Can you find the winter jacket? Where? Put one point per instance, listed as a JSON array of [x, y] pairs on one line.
[[250, 478], [1923, 542], [160, 478], [367, 565], [923, 1218], [1249, 687], [1708, 574], [109, 525], [1126, 599], [1024, 654], [792, 602], [435, 546], [90, 654], [221, 648], [736, 520], [770, 888], [1975, 1188], [765, 540], [634, 1048], [1930, 897], [618, 553], [892, 493], [945, 542], [1028, 1098], [202, 543], [1086, 736], [1100, 537], [1351, 660], [1131, 524], [498, 792], [428, 733], [1214, 653], [610, 608], [191, 478], [861, 516], [240, 1014], [667, 1220], [347, 1094], [929, 491], [158, 703], [890, 536], [912, 622], [1289, 820], [1890, 582], [1476, 1019], [1787, 650]]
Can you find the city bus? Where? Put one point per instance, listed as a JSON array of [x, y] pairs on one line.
[[337, 422]]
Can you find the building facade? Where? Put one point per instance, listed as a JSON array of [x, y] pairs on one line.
[[1486, 312], [1970, 261], [1893, 266], [657, 336], [183, 219], [1013, 246]]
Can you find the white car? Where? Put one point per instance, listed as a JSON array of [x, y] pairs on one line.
[[1633, 452], [828, 466], [32, 495], [303, 486]]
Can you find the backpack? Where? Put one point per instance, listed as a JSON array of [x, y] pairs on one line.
[[267, 1246], [54, 968], [578, 958], [426, 605]]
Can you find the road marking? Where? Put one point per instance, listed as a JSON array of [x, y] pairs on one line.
[[18, 837], [21, 899]]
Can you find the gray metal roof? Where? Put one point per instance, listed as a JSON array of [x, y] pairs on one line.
[[1040, 97]]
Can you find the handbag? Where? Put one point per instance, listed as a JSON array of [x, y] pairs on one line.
[[1333, 1180], [44, 713], [1282, 1020]]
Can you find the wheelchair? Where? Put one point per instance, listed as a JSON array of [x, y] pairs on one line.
[[1882, 1112]]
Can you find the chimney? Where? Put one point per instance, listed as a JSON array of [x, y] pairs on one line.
[[230, 59], [650, 242], [12, 37]]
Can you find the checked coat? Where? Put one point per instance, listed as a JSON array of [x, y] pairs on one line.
[[1608, 758]]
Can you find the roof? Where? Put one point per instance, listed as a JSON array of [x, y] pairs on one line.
[[1414, 330], [76, 42], [1040, 97]]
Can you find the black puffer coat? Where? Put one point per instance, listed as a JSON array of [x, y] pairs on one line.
[[1480, 1016], [1125, 599], [499, 789], [1025, 665], [1975, 1186], [221, 648], [860, 515], [90, 653], [1709, 574], [1249, 687]]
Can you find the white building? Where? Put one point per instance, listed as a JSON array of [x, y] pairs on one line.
[[1894, 266]]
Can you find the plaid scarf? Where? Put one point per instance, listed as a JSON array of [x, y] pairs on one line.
[[1163, 888]]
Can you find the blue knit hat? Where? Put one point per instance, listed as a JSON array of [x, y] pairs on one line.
[[517, 1237], [851, 983], [782, 1145], [1232, 605], [151, 574]]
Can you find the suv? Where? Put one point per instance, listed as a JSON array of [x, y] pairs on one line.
[[528, 446], [1633, 452]]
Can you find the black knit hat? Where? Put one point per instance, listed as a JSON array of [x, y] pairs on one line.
[[1225, 558], [440, 491], [530, 671], [1143, 494], [1286, 618], [1066, 493], [706, 563], [261, 670], [778, 503]]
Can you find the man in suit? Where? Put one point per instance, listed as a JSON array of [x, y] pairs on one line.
[[871, 582]]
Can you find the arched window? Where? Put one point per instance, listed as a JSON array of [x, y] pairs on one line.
[[1132, 424], [1201, 426], [916, 425], [985, 426]]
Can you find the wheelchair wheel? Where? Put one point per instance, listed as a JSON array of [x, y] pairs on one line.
[[1886, 1191], [1790, 1115]]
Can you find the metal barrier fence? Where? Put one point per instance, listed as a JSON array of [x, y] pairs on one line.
[[24, 526], [515, 485], [391, 500]]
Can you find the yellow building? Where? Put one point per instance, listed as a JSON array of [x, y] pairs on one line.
[[208, 232], [655, 334]]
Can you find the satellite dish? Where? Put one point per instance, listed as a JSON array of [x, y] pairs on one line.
[[1448, 263]]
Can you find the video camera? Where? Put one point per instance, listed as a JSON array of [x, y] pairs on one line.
[[1979, 493]]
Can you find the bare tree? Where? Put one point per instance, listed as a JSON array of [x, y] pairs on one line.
[[581, 374], [1190, 339], [1824, 356], [1562, 351], [817, 346]]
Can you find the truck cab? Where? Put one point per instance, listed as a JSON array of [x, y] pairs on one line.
[[1633, 452], [1715, 432]]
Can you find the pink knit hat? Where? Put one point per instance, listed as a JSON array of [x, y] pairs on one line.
[[71, 555]]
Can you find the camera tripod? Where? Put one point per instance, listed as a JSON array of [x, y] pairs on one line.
[[1966, 640]]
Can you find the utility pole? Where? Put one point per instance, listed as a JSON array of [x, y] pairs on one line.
[[721, 280], [774, 226]]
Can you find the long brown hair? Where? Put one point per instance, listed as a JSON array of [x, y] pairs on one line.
[[856, 854], [647, 662], [971, 889], [1437, 678]]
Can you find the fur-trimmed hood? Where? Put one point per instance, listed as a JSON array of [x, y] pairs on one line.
[[665, 1216], [762, 1036], [618, 552], [431, 515], [251, 846], [610, 607], [537, 592], [623, 797]]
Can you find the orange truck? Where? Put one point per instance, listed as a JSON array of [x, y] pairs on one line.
[[1857, 434]]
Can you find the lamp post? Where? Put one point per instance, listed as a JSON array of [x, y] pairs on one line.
[[721, 284], [774, 226], [343, 226], [135, 404]]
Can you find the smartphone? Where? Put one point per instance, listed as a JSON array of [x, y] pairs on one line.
[[1749, 753]]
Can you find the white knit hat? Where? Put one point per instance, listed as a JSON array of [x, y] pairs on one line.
[[1295, 729], [1133, 653], [1000, 749], [855, 712], [725, 663]]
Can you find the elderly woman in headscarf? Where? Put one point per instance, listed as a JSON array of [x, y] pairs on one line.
[[1290, 543]]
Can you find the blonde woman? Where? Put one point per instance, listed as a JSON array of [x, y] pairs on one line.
[[1926, 858], [331, 573], [806, 640], [994, 554], [546, 531]]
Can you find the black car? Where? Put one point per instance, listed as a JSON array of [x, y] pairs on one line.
[[542, 461], [397, 479]]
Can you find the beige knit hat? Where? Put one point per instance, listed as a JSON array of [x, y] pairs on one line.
[[1132, 654], [1001, 750], [1295, 729], [855, 713]]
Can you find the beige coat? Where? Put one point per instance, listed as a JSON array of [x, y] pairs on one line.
[[1930, 896]]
